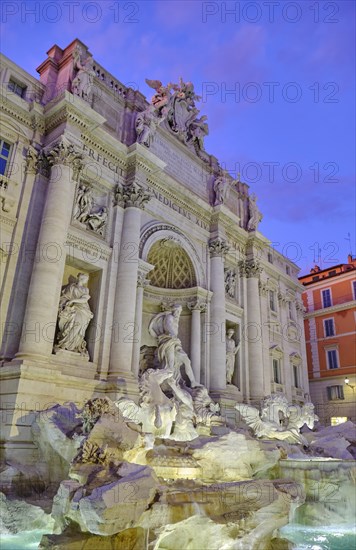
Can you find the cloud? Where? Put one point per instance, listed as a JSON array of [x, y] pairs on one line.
[[240, 57]]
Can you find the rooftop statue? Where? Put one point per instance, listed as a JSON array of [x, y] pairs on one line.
[[255, 215], [221, 186], [82, 83], [175, 105], [161, 97], [146, 124]]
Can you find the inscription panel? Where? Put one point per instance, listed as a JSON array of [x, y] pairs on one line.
[[192, 175]]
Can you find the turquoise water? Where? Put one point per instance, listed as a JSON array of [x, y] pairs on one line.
[[305, 538], [321, 538], [28, 540]]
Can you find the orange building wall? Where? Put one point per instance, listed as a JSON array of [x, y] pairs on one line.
[[341, 292]]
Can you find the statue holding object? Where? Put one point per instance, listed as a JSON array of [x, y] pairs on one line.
[[74, 316]]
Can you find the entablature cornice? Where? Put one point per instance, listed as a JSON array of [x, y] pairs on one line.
[[94, 251], [100, 145], [7, 220], [234, 309], [15, 111], [182, 296], [66, 107], [274, 272], [140, 157], [222, 216], [179, 197]]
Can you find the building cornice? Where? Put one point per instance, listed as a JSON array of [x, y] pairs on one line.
[[329, 281], [14, 109], [331, 309]]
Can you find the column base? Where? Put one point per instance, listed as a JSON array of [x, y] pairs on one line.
[[122, 384], [28, 387]]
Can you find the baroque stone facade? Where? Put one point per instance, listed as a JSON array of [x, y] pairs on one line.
[[98, 186]]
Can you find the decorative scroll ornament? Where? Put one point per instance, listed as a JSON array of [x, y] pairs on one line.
[[132, 194], [32, 158], [36, 162], [197, 305], [250, 268], [218, 247], [141, 279]]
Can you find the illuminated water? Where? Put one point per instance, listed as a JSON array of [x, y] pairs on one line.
[[304, 538], [28, 540], [330, 537]]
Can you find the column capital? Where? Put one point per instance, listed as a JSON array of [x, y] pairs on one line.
[[141, 279], [132, 194], [250, 268], [167, 305], [197, 305], [32, 158], [218, 247], [65, 153], [36, 162]]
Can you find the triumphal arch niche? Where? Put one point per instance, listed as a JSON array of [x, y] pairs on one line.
[[129, 216], [177, 277]]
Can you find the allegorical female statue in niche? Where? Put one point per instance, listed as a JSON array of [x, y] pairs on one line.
[[231, 351], [74, 316]]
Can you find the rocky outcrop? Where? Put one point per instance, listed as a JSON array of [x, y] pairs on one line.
[[18, 516], [111, 500], [334, 441]]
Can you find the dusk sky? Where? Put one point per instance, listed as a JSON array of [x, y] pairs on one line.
[[289, 126]]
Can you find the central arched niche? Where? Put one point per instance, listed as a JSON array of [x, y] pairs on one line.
[[178, 276], [173, 267]]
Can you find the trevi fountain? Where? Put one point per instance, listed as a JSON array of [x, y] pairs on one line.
[[169, 472], [153, 368]]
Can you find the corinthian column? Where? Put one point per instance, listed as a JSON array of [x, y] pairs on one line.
[[217, 248], [253, 329], [196, 308], [142, 282], [132, 198], [43, 296]]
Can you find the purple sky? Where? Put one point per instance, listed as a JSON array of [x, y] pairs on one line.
[[289, 128]]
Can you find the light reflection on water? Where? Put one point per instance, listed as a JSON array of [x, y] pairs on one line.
[[28, 540], [304, 538], [331, 537]]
